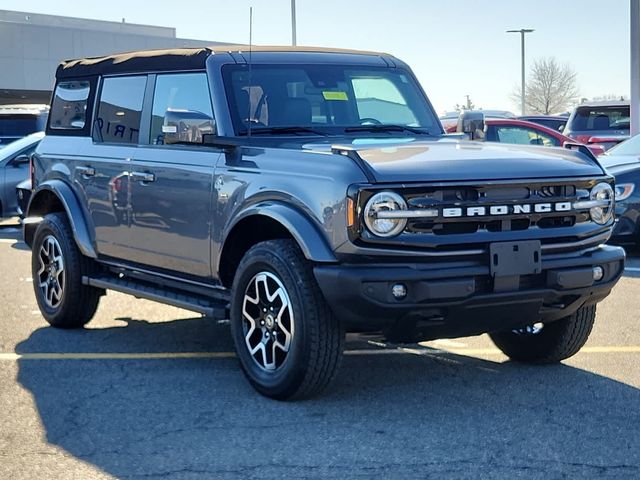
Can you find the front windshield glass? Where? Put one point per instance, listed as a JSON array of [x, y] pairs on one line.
[[326, 99]]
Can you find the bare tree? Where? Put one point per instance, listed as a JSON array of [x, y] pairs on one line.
[[550, 87], [466, 106]]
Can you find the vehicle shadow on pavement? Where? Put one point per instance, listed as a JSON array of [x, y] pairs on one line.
[[395, 416], [13, 232]]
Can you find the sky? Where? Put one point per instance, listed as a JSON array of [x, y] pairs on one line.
[[455, 48]]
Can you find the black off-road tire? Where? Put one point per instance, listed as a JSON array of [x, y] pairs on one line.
[[555, 342], [318, 338], [77, 303]]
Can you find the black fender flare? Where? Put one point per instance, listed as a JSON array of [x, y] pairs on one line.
[[306, 234], [72, 208]]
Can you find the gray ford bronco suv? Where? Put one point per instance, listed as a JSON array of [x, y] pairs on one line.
[[302, 193]]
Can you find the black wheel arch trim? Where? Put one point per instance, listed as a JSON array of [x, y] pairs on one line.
[[72, 208], [307, 235]]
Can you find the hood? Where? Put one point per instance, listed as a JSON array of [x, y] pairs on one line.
[[617, 162], [447, 160]]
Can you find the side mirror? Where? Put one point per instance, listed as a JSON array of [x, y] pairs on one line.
[[186, 126], [20, 160], [472, 123]]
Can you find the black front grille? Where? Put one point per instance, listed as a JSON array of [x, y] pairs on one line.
[[513, 197], [472, 216]]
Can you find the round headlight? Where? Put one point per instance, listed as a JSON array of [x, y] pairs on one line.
[[602, 193], [384, 202]]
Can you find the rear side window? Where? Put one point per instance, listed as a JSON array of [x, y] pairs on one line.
[[120, 110], [69, 106], [601, 118]]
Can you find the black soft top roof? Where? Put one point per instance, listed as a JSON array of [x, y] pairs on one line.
[[175, 58], [170, 59]]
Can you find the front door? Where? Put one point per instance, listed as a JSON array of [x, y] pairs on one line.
[[172, 184]]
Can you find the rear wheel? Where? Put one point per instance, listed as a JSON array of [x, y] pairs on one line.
[[548, 343], [288, 341], [57, 267]]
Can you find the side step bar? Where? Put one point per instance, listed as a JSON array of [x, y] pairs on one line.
[[210, 307]]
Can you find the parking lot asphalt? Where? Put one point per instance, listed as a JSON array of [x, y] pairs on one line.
[[149, 391]]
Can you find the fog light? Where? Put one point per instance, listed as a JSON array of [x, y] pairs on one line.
[[598, 273], [399, 291]]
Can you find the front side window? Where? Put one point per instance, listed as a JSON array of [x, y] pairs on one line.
[[326, 99], [181, 109], [524, 136], [120, 110], [69, 106]]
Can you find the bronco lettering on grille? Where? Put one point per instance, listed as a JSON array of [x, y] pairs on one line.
[[517, 209]]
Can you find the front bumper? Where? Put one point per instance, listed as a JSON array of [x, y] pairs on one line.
[[460, 299]]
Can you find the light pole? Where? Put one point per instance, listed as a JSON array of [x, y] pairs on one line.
[[294, 41], [522, 32], [635, 65]]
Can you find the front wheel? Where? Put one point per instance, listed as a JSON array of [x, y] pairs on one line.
[[57, 267], [548, 343], [288, 341]]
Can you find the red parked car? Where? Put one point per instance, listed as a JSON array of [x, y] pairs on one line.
[[521, 132]]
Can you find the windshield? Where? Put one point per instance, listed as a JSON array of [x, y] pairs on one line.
[[14, 147], [601, 118], [325, 99], [629, 147]]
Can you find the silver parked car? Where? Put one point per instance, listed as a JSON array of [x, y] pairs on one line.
[[14, 168]]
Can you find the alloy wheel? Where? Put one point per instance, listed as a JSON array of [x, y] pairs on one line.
[[51, 274], [267, 321], [529, 329]]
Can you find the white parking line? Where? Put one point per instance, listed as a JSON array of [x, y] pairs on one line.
[[632, 269]]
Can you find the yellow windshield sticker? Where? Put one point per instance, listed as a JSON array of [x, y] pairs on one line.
[[335, 96]]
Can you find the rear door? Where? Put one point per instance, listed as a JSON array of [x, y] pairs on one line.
[[172, 184], [102, 169]]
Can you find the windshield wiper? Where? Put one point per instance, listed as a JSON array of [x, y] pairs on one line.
[[281, 130], [387, 128]]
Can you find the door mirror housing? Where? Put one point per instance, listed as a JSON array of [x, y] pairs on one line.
[[186, 126], [472, 124], [20, 160]]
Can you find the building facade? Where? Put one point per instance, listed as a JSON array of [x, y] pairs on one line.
[[33, 45]]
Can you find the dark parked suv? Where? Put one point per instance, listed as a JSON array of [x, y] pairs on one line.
[[17, 121], [304, 192], [605, 123]]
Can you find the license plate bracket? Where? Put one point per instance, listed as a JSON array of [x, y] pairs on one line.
[[515, 258]]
